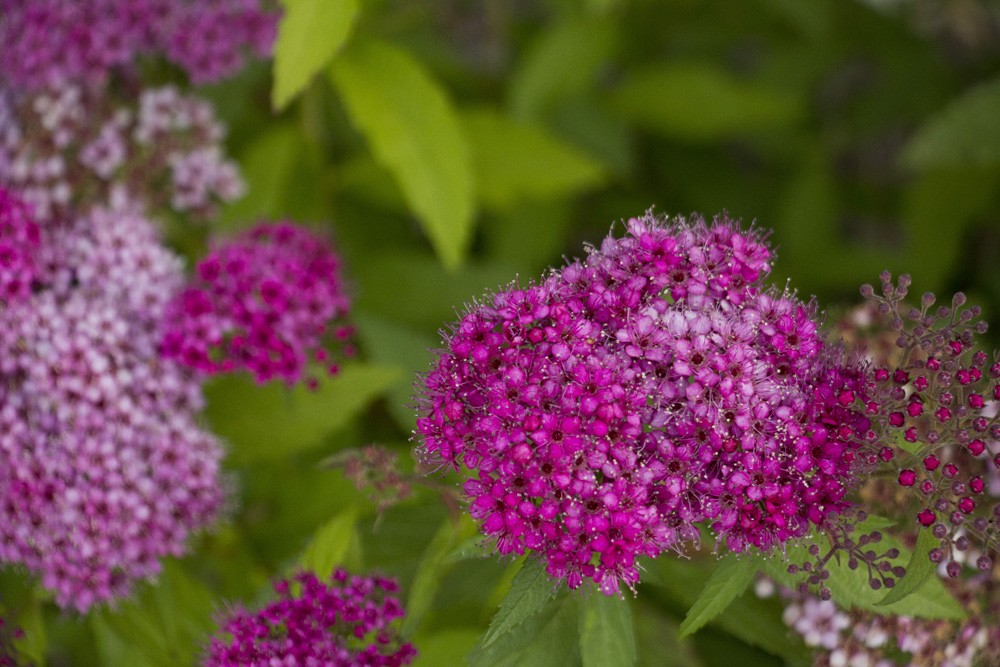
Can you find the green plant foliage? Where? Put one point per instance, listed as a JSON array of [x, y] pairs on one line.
[[529, 591], [965, 133], [545, 638], [272, 421], [516, 161], [607, 634], [919, 569], [310, 33], [850, 587], [728, 581], [413, 130], [701, 102], [335, 545]]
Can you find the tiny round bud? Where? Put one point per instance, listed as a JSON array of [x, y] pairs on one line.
[[939, 530], [958, 299], [813, 549], [875, 584], [853, 563], [889, 582], [927, 299], [935, 555], [899, 571], [892, 553], [793, 569], [867, 291], [984, 563], [885, 276], [953, 569], [825, 594], [962, 543]]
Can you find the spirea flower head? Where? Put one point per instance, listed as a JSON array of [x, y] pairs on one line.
[[51, 43], [79, 148], [105, 468], [265, 301], [655, 385], [347, 621], [19, 240]]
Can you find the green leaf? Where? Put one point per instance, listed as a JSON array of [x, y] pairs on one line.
[[919, 569], [310, 33], [730, 578], [273, 421], [965, 133], [563, 62], [607, 635], [390, 342], [447, 647], [850, 587], [516, 161], [434, 564], [546, 638], [702, 102], [332, 545], [529, 591], [279, 167], [414, 132]]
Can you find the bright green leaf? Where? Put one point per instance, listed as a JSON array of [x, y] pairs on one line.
[[529, 591], [607, 635], [273, 421], [332, 544], [515, 161], [413, 130], [447, 647], [918, 570], [730, 578], [310, 33], [546, 638], [965, 133], [702, 102]]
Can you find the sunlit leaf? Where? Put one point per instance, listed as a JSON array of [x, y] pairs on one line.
[[332, 544], [413, 130], [310, 33]]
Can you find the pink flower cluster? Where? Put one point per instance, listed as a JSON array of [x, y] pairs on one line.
[[346, 622], [50, 43], [264, 302], [105, 467], [19, 239], [68, 151], [654, 386]]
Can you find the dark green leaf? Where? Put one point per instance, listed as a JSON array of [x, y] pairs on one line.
[[965, 133], [309, 35], [273, 421], [728, 581], [607, 636], [515, 161], [702, 102], [546, 638], [434, 564], [529, 591], [918, 570], [562, 62], [413, 130]]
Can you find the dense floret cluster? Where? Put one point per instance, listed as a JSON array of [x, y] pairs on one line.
[[51, 43], [69, 150], [19, 240], [655, 385], [266, 301], [345, 622], [106, 469]]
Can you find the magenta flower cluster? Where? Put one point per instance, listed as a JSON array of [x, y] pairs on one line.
[[105, 467], [19, 240], [345, 622], [51, 43], [265, 301], [656, 385]]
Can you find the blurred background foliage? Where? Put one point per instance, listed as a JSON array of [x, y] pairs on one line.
[[450, 146]]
